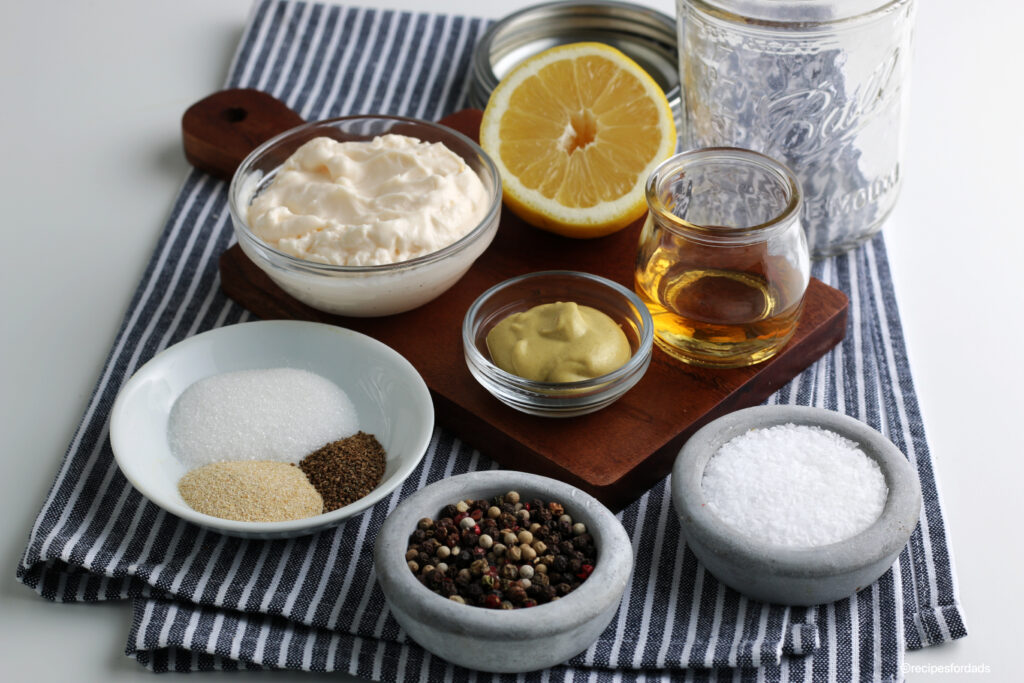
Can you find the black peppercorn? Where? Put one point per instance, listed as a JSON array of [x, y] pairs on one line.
[[545, 593], [515, 594], [474, 592], [582, 541]]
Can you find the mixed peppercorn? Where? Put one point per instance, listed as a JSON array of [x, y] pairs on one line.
[[503, 554]]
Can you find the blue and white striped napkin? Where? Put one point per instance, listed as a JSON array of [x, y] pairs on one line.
[[205, 601]]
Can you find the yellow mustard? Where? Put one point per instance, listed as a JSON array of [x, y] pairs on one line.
[[558, 342]]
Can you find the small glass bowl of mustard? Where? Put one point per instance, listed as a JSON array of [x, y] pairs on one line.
[[557, 398]]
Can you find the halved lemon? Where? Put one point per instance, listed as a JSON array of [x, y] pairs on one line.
[[575, 131]]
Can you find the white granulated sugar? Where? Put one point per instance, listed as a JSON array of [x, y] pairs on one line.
[[281, 414], [795, 486]]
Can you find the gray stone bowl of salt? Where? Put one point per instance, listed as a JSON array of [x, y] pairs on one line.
[[794, 505], [496, 640]]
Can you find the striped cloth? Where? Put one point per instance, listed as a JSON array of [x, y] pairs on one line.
[[205, 601]]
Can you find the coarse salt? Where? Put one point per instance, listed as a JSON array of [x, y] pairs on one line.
[[279, 414], [794, 485]]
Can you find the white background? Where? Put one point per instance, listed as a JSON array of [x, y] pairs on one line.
[[92, 96]]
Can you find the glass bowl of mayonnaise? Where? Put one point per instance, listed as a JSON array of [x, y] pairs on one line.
[[558, 343], [366, 215]]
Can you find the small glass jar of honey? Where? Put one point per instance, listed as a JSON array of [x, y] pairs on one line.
[[723, 263]]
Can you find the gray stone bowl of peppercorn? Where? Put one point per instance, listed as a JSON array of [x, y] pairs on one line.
[[503, 571]]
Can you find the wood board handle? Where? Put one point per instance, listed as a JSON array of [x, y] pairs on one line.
[[219, 131]]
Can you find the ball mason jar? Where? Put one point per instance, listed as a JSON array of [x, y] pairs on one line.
[[722, 263], [821, 85]]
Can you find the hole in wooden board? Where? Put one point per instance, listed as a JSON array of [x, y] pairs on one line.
[[234, 114]]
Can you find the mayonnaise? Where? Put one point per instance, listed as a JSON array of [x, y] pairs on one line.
[[368, 203], [558, 342]]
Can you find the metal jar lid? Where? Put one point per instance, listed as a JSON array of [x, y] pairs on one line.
[[645, 35]]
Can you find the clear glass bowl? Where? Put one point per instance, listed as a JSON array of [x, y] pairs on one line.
[[363, 291], [557, 399]]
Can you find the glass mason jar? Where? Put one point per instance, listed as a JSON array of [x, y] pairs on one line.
[[819, 84], [722, 264]]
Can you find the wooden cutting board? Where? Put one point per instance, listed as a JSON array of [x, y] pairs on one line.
[[615, 454]]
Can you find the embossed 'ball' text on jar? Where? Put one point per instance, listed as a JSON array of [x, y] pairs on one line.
[[722, 263], [821, 85]]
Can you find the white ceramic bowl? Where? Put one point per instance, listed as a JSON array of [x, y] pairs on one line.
[[363, 291], [794, 576], [515, 640], [391, 400]]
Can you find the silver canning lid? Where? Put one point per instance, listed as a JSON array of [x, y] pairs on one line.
[[645, 35]]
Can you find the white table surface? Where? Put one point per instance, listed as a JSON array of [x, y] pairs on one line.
[[93, 93]]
